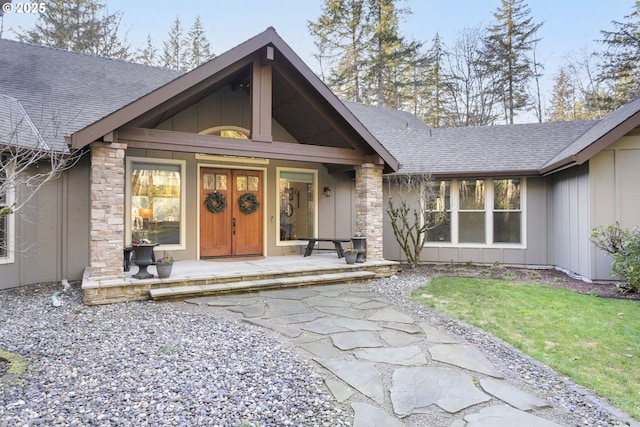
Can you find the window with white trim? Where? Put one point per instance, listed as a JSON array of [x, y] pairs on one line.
[[507, 215], [7, 220], [297, 203], [156, 201], [477, 211]]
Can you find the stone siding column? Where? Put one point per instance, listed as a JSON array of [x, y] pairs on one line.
[[107, 210], [369, 210]]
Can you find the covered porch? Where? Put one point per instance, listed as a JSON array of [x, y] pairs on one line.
[[223, 276]]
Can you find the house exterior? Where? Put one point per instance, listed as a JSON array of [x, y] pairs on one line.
[[250, 152]]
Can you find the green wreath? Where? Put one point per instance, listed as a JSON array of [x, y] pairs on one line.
[[248, 203], [216, 202]]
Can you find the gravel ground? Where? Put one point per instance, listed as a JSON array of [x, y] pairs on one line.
[[151, 364], [162, 364]]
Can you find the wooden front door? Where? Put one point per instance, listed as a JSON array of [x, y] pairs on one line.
[[226, 227]]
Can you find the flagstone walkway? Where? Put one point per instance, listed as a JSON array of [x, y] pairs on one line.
[[392, 369]]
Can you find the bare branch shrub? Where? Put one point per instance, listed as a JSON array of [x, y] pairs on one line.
[[412, 209]]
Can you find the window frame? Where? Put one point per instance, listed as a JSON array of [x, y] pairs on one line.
[[316, 216], [489, 196], [183, 202], [9, 256]]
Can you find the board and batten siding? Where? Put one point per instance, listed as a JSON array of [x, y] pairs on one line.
[[571, 225], [532, 251], [614, 182], [51, 234]]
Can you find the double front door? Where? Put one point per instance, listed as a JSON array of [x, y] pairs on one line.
[[231, 206]]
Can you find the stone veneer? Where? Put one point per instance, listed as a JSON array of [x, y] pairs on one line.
[[107, 210], [369, 210]]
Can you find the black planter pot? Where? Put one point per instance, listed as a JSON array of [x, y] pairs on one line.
[[143, 258], [360, 244]]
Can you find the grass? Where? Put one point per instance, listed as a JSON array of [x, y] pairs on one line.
[[594, 341]]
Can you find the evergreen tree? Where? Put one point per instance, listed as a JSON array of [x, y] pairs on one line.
[[81, 26], [148, 55], [621, 65], [198, 49], [563, 99], [341, 33], [174, 54], [507, 54], [389, 57], [430, 86]]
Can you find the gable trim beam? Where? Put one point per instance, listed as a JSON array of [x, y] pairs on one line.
[[595, 147], [174, 88], [261, 99], [164, 140], [326, 93]]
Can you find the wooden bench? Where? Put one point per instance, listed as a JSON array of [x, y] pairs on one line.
[[337, 243]]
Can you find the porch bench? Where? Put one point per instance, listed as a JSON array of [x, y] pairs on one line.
[[337, 243]]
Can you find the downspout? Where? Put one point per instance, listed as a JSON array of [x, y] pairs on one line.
[[64, 227]]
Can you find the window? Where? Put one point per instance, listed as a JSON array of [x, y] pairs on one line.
[[506, 211], [477, 211], [471, 216], [6, 221], [3, 219], [438, 201], [157, 201], [297, 203]]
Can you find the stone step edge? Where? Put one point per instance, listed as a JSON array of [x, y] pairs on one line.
[[257, 285]]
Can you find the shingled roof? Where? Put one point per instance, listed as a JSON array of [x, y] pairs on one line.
[[62, 92], [55, 93], [520, 149]]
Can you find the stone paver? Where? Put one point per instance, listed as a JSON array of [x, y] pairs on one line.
[[512, 395], [417, 390], [370, 416], [405, 356], [464, 356], [505, 416], [392, 369]]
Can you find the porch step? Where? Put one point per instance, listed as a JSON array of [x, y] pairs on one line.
[[188, 291]]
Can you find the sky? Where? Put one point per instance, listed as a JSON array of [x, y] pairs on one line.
[[569, 26]]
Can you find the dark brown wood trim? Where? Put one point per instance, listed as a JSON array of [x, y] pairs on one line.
[[165, 140], [261, 101]]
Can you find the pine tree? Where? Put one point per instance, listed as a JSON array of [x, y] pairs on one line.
[[563, 99], [389, 57], [198, 49], [174, 54], [148, 55], [341, 34], [621, 64], [81, 26], [507, 54]]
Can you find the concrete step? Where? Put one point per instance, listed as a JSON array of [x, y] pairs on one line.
[[279, 282]]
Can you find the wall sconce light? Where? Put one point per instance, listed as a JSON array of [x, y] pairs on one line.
[[327, 191]]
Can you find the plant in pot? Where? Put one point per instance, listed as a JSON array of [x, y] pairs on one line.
[[143, 257], [350, 255], [359, 242], [164, 266]]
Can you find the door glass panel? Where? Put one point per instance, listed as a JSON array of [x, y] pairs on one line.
[[209, 181], [221, 182], [253, 183], [241, 183]]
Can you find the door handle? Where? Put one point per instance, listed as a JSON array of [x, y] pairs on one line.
[[233, 223]]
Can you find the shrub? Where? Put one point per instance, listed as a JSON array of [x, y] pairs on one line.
[[624, 247]]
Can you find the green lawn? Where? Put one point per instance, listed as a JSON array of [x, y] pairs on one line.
[[594, 341]]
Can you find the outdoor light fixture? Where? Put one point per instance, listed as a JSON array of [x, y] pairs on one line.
[[327, 191]]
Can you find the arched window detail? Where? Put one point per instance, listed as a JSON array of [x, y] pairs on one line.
[[236, 132]]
